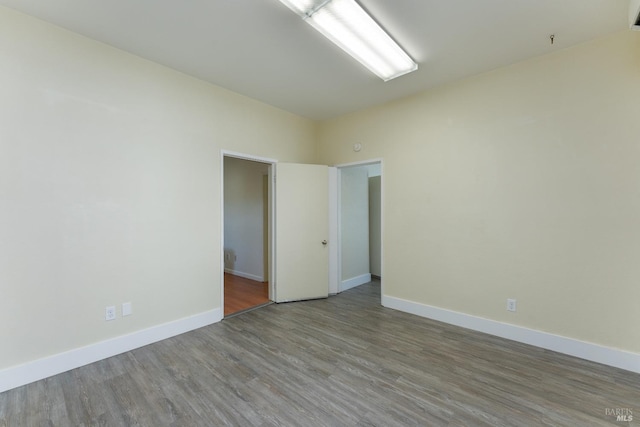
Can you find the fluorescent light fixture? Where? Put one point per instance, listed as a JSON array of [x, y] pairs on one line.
[[347, 25]]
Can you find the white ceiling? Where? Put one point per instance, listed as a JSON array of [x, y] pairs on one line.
[[261, 49]]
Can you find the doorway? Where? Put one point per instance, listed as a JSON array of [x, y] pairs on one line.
[[246, 213], [296, 262], [359, 224], [300, 245]]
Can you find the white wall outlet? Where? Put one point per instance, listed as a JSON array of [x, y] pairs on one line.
[[511, 304], [110, 313], [127, 309]]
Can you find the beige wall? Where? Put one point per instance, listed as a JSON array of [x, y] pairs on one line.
[[522, 182], [110, 187]]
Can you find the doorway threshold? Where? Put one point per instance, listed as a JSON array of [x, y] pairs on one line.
[[246, 310]]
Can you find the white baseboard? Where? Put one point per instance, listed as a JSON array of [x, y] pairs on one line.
[[245, 275], [355, 281], [46, 367], [584, 350]]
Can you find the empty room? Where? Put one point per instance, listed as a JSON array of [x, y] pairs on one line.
[[487, 153]]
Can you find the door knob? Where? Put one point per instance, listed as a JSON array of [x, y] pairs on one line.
[[324, 242]]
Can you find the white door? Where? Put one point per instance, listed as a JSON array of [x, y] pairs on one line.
[[302, 232]]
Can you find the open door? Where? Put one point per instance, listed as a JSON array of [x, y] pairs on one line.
[[302, 232]]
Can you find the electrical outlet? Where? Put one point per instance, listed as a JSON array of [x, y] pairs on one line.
[[110, 313], [126, 309], [511, 304]]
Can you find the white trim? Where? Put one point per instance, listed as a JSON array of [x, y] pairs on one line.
[[355, 281], [334, 239], [272, 233], [243, 156], [360, 163], [46, 367], [245, 275], [584, 350], [338, 195], [382, 216]]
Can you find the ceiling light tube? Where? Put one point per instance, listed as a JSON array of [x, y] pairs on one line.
[[347, 25]]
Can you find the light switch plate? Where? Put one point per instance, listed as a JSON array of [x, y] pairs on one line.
[[127, 309]]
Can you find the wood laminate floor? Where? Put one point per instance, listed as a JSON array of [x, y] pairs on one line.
[[344, 361], [241, 294]]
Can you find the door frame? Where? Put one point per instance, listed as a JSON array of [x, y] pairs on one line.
[[271, 212], [336, 232], [335, 242]]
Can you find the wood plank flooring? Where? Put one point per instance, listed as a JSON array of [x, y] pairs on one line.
[[343, 361], [241, 294]]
